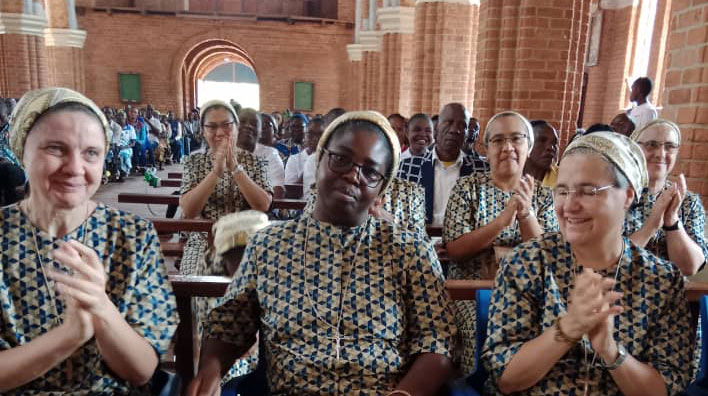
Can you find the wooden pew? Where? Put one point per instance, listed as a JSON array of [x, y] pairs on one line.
[[171, 183], [174, 175], [293, 191], [186, 287], [169, 199]]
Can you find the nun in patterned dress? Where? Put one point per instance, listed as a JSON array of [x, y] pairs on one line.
[[85, 305], [586, 311], [668, 220], [346, 303]]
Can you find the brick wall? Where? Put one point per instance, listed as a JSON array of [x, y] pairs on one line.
[[23, 64], [686, 90], [154, 46], [531, 60]]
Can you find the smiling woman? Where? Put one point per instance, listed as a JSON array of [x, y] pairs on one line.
[[74, 270]]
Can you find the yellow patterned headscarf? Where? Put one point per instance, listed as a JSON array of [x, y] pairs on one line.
[[624, 153], [234, 229], [35, 103], [379, 120], [659, 121]]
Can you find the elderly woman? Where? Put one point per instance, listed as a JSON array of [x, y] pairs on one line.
[[226, 178], [345, 302], [84, 302], [501, 207], [668, 220], [592, 313]]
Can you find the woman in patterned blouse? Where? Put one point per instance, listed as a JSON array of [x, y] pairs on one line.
[[344, 303], [501, 207], [669, 219], [85, 307], [220, 180], [585, 311]]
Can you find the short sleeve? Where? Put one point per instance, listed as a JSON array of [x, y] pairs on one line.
[[148, 303], [429, 326], [513, 317], [237, 320], [257, 170], [459, 215], [276, 168], [670, 348], [694, 220]]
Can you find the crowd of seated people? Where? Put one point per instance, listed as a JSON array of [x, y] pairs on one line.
[[587, 250]]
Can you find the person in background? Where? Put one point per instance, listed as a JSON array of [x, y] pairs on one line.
[[276, 170], [398, 123], [419, 136], [642, 111], [541, 163], [668, 220], [623, 124], [304, 162]]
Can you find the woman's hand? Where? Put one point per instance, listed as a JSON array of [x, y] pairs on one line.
[[207, 382], [660, 207], [87, 286], [224, 158], [524, 190], [678, 192], [508, 215], [377, 210], [78, 320], [590, 305]]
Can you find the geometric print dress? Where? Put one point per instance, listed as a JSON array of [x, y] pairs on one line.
[[340, 310], [136, 284], [225, 199], [531, 291], [475, 202]]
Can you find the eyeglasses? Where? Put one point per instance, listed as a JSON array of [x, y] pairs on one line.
[[669, 147], [212, 128], [582, 192], [341, 164], [516, 140]]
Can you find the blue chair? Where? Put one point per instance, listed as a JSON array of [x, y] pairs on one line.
[[704, 340], [474, 384]]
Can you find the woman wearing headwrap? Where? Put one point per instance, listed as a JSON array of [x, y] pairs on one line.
[[497, 208], [222, 180], [668, 219], [585, 311], [345, 302], [84, 302]]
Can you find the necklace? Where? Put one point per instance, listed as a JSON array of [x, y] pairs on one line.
[[50, 290], [335, 328], [586, 381]]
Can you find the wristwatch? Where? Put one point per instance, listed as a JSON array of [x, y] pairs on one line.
[[621, 355], [238, 169], [672, 227]]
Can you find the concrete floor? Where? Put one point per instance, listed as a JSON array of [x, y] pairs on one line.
[[108, 193]]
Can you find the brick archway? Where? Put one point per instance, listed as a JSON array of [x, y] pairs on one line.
[[202, 58]]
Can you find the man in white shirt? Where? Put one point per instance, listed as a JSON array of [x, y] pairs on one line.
[[296, 168], [643, 112], [438, 170], [276, 169]]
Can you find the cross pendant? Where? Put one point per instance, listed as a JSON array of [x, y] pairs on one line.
[[337, 343], [586, 385]]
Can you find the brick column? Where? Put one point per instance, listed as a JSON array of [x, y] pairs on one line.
[[397, 26], [371, 64], [531, 59], [686, 90], [445, 53], [65, 44], [22, 56]]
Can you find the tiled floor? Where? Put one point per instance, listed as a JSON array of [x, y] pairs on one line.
[[108, 193]]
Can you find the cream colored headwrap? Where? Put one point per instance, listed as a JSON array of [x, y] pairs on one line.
[[216, 102], [379, 120], [624, 153], [527, 124], [234, 229], [659, 121], [34, 103]]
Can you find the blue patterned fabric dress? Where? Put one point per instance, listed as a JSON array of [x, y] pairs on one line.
[[531, 291], [342, 311], [137, 285], [691, 214]]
